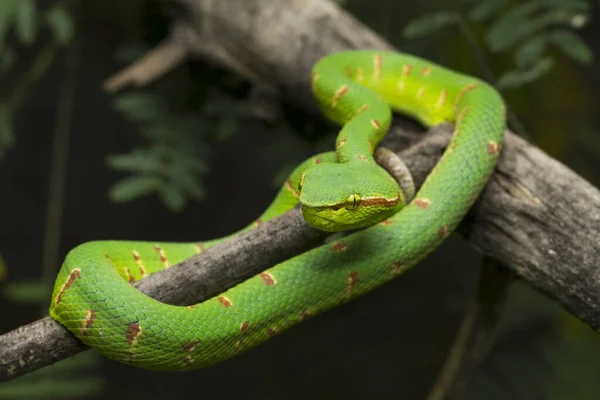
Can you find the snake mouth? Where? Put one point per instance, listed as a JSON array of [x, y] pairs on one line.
[[315, 217]]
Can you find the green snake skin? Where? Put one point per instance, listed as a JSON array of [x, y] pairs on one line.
[[94, 300]]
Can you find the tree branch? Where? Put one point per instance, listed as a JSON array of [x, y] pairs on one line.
[[476, 334], [201, 277], [536, 216], [153, 65]]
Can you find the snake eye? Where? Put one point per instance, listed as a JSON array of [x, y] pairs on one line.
[[301, 182], [352, 202]]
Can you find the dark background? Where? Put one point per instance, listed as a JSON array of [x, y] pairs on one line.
[[388, 344]]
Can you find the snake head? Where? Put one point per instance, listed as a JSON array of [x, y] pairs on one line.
[[352, 195]]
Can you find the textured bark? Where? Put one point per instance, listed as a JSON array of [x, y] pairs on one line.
[[539, 217], [536, 216]]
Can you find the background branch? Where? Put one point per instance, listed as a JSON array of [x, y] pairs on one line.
[[476, 334]]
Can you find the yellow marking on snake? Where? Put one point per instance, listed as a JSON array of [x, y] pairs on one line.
[[290, 187], [493, 148], [377, 66], [401, 85], [73, 276], [423, 203], [442, 99], [138, 261], [462, 92], [134, 330], [88, 321], [268, 278], [359, 75], [338, 95], [225, 302], [361, 109], [161, 254]]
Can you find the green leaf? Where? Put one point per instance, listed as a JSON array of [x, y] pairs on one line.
[[485, 10], [133, 187], [29, 292], [136, 161], [7, 137], [195, 190], [140, 107], [505, 31], [429, 23], [79, 363], [26, 22], [52, 388], [530, 51], [516, 78], [60, 23], [158, 131], [183, 174], [173, 197], [68, 376], [572, 46]]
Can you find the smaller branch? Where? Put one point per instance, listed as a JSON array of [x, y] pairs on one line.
[[476, 333], [233, 261], [32, 75], [157, 62], [476, 50]]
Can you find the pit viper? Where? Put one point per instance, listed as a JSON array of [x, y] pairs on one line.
[[343, 189]]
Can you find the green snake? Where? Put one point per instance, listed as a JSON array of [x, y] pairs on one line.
[[340, 190]]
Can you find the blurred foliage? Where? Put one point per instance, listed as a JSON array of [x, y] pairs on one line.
[[24, 25], [28, 23], [177, 144], [524, 29], [179, 134], [172, 161], [26, 292], [70, 378]]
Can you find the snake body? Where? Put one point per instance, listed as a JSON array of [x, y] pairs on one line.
[[93, 297]]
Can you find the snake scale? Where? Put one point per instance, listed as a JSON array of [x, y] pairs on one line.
[[340, 190]]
